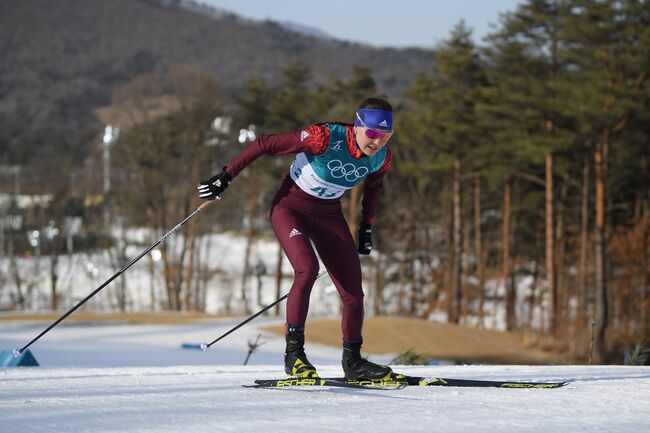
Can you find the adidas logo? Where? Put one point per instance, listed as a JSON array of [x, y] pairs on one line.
[[294, 232], [303, 135], [383, 123]]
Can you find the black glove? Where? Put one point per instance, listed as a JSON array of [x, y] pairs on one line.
[[365, 239], [215, 186]]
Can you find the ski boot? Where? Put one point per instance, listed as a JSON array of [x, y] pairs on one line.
[[357, 368], [296, 363]]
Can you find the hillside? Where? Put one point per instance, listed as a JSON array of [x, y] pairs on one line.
[[60, 61]]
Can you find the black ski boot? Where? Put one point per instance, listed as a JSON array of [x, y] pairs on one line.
[[358, 368], [296, 363]]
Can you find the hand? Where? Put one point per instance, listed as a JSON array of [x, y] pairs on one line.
[[215, 186], [365, 239]]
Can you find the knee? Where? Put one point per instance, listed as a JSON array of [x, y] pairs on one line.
[[353, 301], [307, 273]]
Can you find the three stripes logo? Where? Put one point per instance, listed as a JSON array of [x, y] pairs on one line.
[[294, 232]]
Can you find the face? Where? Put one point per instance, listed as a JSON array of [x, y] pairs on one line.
[[369, 146]]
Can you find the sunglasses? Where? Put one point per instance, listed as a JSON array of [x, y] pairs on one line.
[[372, 134]]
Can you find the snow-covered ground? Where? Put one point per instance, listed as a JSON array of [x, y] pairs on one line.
[[121, 378]]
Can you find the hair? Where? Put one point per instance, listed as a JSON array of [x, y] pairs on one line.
[[377, 104]]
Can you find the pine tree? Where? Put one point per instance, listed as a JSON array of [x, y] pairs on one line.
[[445, 116], [608, 53], [529, 91]]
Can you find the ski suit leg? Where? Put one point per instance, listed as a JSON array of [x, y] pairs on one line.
[[338, 252], [292, 230]]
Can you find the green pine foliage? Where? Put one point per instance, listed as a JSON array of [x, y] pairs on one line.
[[411, 357], [640, 355]]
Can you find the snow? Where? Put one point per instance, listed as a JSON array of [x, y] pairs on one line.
[[222, 254], [136, 378]]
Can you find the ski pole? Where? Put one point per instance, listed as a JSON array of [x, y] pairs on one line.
[[205, 204], [206, 346]]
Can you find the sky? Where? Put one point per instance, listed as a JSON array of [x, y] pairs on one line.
[[381, 23]]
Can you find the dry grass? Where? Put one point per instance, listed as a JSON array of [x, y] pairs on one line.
[[381, 335], [165, 318], [440, 341]]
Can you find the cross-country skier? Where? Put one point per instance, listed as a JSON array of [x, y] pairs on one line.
[[330, 159]]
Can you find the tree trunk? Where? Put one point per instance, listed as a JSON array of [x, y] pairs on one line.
[[190, 303], [404, 263], [252, 216], [506, 262], [550, 244], [15, 273], [151, 265], [180, 275], [203, 272], [602, 307], [478, 247], [379, 287], [278, 278], [456, 279], [464, 288], [645, 306], [190, 237], [120, 252], [533, 295], [448, 261], [54, 277], [169, 269], [563, 293], [584, 235]]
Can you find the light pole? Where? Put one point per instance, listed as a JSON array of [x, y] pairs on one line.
[[71, 227], [220, 128], [51, 232], [34, 237], [111, 134], [248, 135]]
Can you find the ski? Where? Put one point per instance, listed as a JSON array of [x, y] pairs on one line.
[[473, 383], [324, 382], [402, 381]]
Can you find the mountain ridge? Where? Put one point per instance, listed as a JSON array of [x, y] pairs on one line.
[[61, 61]]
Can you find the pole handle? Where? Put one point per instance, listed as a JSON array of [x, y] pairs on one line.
[[207, 203]]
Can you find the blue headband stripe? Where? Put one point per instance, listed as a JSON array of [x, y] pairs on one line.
[[375, 119]]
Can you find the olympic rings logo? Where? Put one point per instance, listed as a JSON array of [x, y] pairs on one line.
[[349, 171]]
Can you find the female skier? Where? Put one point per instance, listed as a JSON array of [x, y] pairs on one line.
[[330, 159]]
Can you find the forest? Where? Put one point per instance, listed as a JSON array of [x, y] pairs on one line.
[[520, 183]]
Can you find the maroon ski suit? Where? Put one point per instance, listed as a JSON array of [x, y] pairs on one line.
[[298, 218]]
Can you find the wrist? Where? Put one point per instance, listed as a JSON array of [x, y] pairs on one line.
[[365, 227], [225, 172]]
